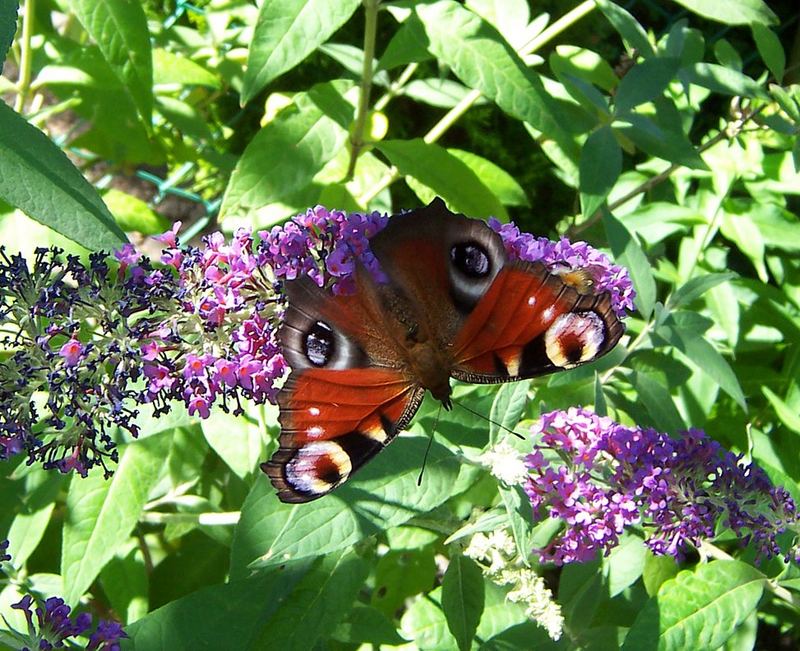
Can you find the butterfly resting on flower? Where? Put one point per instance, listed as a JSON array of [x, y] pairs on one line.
[[448, 302]]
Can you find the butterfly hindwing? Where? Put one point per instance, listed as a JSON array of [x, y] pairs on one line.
[[530, 323], [332, 423]]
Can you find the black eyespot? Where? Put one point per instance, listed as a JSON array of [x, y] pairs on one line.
[[319, 344], [471, 259]]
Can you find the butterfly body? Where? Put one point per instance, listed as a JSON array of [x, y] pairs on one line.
[[452, 306]]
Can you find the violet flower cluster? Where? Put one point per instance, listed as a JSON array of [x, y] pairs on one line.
[[51, 624], [90, 343], [600, 477]]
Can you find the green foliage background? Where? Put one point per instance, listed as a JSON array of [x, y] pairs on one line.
[[667, 135]]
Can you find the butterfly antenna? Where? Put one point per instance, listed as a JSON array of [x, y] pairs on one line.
[[493, 422], [428, 449]]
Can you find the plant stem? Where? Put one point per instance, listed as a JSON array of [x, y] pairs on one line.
[[26, 56], [455, 113], [357, 134]]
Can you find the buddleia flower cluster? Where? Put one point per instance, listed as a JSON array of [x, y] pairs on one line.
[[599, 477], [50, 624], [86, 344]]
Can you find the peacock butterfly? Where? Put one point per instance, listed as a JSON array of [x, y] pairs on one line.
[[453, 305]]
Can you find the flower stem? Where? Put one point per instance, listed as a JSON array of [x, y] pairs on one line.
[[26, 56], [357, 134]]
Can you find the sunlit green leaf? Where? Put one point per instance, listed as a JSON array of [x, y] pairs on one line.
[[741, 12], [286, 32], [37, 178], [119, 27], [704, 606]]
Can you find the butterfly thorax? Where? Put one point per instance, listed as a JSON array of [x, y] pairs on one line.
[[429, 365]]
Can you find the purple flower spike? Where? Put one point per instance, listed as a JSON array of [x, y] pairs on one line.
[[600, 477]]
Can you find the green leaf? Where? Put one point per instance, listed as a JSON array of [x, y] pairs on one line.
[[644, 82], [699, 608], [367, 625], [695, 287], [236, 439], [293, 147], [500, 183], [659, 404], [785, 413], [125, 583], [424, 623], [382, 495], [629, 253], [680, 330], [133, 214], [445, 175], [600, 403], [317, 604], [600, 166], [286, 32], [740, 12], [401, 574], [518, 512], [8, 26], [770, 48], [507, 408], [28, 527], [653, 139], [657, 570], [627, 27], [170, 69], [483, 60], [37, 178], [722, 80], [226, 616], [742, 231], [100, 513], [408, 45], [462, 599], [119, 27]]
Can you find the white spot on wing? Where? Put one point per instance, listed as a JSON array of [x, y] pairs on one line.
[[581, 332]]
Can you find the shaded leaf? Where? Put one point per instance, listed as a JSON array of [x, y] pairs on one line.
[[644, 82], [722, 80], [462, 599], [628, 252], [627, 27], [600, 166], [8, 27], [384, 494], [293, 147]]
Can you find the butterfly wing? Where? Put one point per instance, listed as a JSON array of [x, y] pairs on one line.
[[346, 397], [530, 323]]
